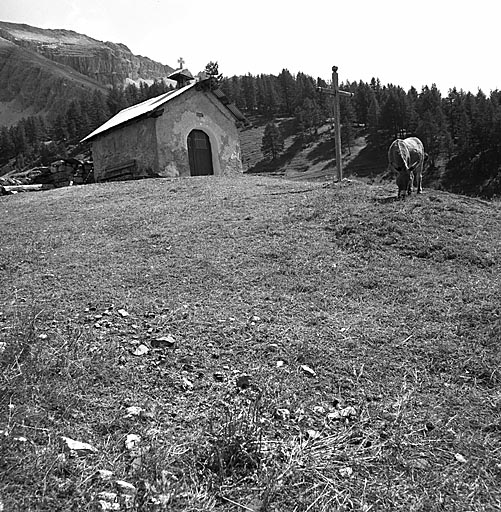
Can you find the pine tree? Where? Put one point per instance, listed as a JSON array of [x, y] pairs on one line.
[[271, 98], [373, 115], [116, 100], [99, 112], [273, 143], [361, 101], [249, 92], [347, 121], [212, 71], [7, 148], [19, 137], [233, 89], [394, 111], [288, 89]]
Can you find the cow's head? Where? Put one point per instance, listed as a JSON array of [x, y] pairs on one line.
[[405, 177]]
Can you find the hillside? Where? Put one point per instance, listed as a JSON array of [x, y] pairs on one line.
[[249, 344], [40, 69], [312, 160], [30, 84]]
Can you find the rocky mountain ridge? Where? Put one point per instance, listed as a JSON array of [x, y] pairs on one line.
[[39, 64]]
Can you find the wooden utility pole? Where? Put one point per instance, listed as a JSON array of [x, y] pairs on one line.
[[334, 91]]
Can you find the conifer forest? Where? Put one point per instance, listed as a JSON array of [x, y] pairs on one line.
[[461, 131]]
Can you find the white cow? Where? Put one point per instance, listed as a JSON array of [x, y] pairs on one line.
[[406, 157]]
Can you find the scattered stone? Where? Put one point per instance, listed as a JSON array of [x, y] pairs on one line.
[[107, 495], [108, 500], [187, 384], [282, 414], [280, 363], [43, 336], [460, 458], [141, 350], [78, 448], [313, 434], [255, 319], [164, 342], [132, 441], [308, 371], [125, 487], [103, 474], [133, 410], [123, 313], [161, 499], [346, 472], [347, 412]]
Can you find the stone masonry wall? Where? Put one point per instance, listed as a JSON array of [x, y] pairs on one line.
[[196, 110], [133, 143]]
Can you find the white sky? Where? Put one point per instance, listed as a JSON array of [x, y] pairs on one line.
[[407, 43]]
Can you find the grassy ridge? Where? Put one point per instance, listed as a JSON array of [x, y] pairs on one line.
[[335, 349]]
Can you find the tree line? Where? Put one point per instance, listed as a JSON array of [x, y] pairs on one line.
[[38, 140], [461, 131]]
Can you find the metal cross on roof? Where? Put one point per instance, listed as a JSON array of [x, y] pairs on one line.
[[181, 62], [336, 92]]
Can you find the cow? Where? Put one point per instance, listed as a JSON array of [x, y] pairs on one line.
[[406, 157]]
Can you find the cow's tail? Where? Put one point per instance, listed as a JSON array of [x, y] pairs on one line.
[[402, 152]]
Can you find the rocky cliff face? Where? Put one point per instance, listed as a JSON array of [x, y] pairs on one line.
[[30, 84], [107, 63], [41, 69]]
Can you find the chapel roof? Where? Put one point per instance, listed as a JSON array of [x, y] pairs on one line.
[[152, 104], [180, 74]]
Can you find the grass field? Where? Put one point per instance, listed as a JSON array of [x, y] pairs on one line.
[[249, 344]]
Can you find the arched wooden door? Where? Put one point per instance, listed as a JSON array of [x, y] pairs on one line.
[[199, 153]]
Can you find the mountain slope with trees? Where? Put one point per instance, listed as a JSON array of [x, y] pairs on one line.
[[39, 141], [461, 131], [31, 84], [43, 70]]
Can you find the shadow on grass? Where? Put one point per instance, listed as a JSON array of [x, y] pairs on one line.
[[369, 163], [277, 164], [323, 151], [387, 200]]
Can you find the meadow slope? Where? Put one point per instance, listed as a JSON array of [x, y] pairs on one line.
[[288, 346]]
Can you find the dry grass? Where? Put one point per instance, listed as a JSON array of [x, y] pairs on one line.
[[394, 306]]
